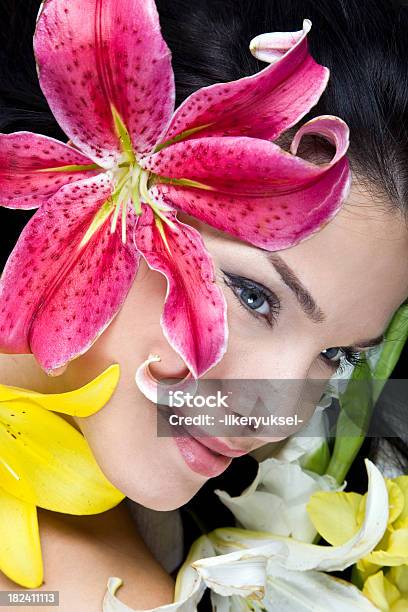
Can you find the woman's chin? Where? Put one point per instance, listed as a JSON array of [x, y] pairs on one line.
[[160, 496]]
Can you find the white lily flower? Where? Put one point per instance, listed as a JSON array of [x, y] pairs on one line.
[[276, 500], [249, 569], [266, 572], [189, 585]]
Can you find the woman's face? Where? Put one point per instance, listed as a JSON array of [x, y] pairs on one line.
[[356, 272]]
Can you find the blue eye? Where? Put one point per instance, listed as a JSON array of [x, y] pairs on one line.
[[332, 353], [254, 297], [255, 300], [341, 354]]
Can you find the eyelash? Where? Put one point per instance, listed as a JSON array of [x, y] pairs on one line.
[[235, 282]]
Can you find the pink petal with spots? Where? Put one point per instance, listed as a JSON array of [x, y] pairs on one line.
[[92, 54], [194, 316], [55, 296], [24, 156], [262, 106], [258, 192]]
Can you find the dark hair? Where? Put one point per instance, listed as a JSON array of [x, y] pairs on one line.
[[363, 43]]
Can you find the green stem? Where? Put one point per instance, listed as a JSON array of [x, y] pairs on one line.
[[362, 392]]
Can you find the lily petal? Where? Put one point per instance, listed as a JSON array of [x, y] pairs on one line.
[[20, 550], [262, 105], [402, 483], [234, 603], [276, 500], [306, 591], [270, 47], [384, 593], [93, 56], [67, 276], [396, 552], [47, 462], [194, 317], [34, 167], [252, 188], [291, 554], [335, 515], [150, 386], [80, 403]]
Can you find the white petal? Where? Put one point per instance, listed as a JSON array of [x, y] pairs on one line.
[[244, 571], [270, 47], [276, 500], [231, 604], [227, 575], [308, 440], [287, 591], [258, 511], [157, 391]]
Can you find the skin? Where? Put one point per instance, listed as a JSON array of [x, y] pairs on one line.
[[81, 552], [345, 266]]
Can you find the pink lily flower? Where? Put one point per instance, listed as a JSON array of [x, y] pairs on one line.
[[111, 196]]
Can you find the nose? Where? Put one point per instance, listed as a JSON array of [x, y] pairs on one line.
[[269, 374], [275, 382]]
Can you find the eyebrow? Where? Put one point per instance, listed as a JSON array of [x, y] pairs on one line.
[[306, 300]]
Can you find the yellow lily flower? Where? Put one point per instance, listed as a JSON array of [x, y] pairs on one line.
[[338, 515], [389, 592], [46, 462]]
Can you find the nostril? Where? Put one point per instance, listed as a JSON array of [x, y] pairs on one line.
[[169, 369]]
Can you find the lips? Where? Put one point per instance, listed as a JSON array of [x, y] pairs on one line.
[[200, 458], [219, 447], [204, 454], [207, 456]]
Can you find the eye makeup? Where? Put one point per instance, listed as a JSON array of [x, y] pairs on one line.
[[240, 285]]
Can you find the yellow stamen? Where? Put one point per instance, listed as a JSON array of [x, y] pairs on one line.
[[160, 228], [123, 136], [73, 168], [181, 136], [98, 220]]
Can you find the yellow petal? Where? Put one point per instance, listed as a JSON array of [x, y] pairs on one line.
[[47, 462], [399, 577], [81, 403], [366, 569], [396, 551], [381, 592], [334, 515], [396, 500], [402, 482], [400, 606], [20, 550]]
